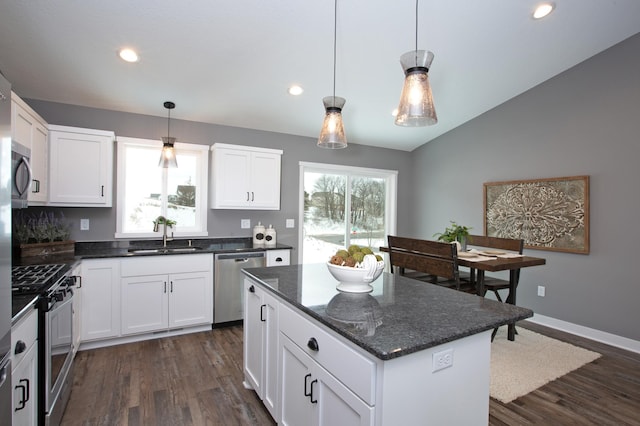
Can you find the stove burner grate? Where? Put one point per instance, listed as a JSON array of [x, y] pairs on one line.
[[33, 278]]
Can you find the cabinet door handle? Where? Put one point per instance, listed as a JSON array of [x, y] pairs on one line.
[[313, 344], [313, 401], [24, 390], [247, 195], [252, 196], [165, 286], [252, 289], [306, 384], [171, 291], [262, 318], [278, 259], [102, 191]]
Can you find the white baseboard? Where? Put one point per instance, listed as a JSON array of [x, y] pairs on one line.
[[589, 333]]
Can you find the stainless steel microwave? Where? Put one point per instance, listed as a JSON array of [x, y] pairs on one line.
[[20, 174]]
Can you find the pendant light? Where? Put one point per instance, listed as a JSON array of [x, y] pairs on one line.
[[332, 132], [168, 154], [416, 102]]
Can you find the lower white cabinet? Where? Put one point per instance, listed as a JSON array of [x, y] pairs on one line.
[[312, 396], [24, 373], [100, 299], [167, 300], [278, 257], [261, 349]]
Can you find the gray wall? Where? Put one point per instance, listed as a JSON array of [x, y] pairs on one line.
[[585, 121], [225, 223]]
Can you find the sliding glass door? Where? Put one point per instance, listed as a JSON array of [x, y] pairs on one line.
[[342, 206]]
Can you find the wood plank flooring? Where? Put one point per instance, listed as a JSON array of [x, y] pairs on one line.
[[196, 379]]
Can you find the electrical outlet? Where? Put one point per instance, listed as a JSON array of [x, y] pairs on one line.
[[290, 223], [84, 224], [442, 360], [541, 290], [245, 223]]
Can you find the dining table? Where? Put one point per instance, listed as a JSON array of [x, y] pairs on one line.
[[482, 262]]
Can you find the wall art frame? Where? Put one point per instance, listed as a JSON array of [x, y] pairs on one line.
[[549, 214]]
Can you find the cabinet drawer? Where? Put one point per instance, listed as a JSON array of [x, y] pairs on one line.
[[25, 330], [166, 264], [278, 257], [352, 369]]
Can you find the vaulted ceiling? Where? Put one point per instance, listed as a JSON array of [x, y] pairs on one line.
[[232, 62]]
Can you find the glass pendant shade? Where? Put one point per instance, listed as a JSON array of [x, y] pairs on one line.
[[416, 101], [332, 132], [168, 154]]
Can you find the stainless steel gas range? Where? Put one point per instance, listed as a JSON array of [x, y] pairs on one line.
[[53, 286]]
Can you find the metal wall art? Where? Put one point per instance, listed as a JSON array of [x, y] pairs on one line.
[[549, 214]]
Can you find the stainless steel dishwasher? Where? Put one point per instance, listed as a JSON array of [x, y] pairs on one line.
[[227, 283]]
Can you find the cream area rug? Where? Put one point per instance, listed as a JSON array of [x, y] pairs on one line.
[[530, 361]]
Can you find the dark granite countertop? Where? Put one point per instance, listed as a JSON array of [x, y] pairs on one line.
[[400, 316], [106, 249]]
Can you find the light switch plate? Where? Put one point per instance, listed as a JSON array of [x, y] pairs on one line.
[[84, 224], [290, 223], [245, 223]]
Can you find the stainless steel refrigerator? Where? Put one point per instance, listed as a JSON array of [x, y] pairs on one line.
[[5, 249]]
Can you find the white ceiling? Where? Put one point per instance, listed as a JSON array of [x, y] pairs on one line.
[[231, 62]]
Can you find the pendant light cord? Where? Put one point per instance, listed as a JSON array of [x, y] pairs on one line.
[[416, 33], [335, 32]]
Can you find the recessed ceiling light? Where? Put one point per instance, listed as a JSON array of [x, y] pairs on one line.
[[542, 10], [128, 55], [295, 90]]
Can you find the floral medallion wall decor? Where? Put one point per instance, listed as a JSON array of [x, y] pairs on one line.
[[549, 214]]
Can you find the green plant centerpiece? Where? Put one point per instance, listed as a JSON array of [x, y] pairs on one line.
[[42, 234], [453, 233]]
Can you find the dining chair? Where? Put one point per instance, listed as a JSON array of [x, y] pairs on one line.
[[497, 243], [431, 261]]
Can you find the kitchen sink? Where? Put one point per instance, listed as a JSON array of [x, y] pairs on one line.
[[164, 250]]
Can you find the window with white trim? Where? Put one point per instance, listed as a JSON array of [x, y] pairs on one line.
[[344, 205], [146, 191]]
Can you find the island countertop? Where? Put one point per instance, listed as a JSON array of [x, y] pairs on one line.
[[399, 317]]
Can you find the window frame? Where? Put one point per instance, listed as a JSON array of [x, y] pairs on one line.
[[202, 189], [391, 188]]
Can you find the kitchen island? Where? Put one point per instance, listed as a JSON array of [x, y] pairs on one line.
[[406, 353]]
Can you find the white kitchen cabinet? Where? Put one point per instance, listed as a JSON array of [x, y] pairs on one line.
[[24, 373], [80, 167], [278, 257], [169, 299], [100, 294], [30, 130], [261, 345], [313, 396], [245, 178]]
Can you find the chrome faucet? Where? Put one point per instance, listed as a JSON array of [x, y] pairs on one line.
[[161, 220]]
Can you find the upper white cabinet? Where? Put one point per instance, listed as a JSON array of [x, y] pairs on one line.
[[245, 178], [30, 130], [81, 167]]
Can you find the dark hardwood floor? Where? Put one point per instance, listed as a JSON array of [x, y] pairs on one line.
[[196, 379]]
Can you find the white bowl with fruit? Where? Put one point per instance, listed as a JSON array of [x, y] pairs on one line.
[[355, 268]]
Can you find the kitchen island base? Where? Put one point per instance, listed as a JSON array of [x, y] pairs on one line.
[[308, 374]]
